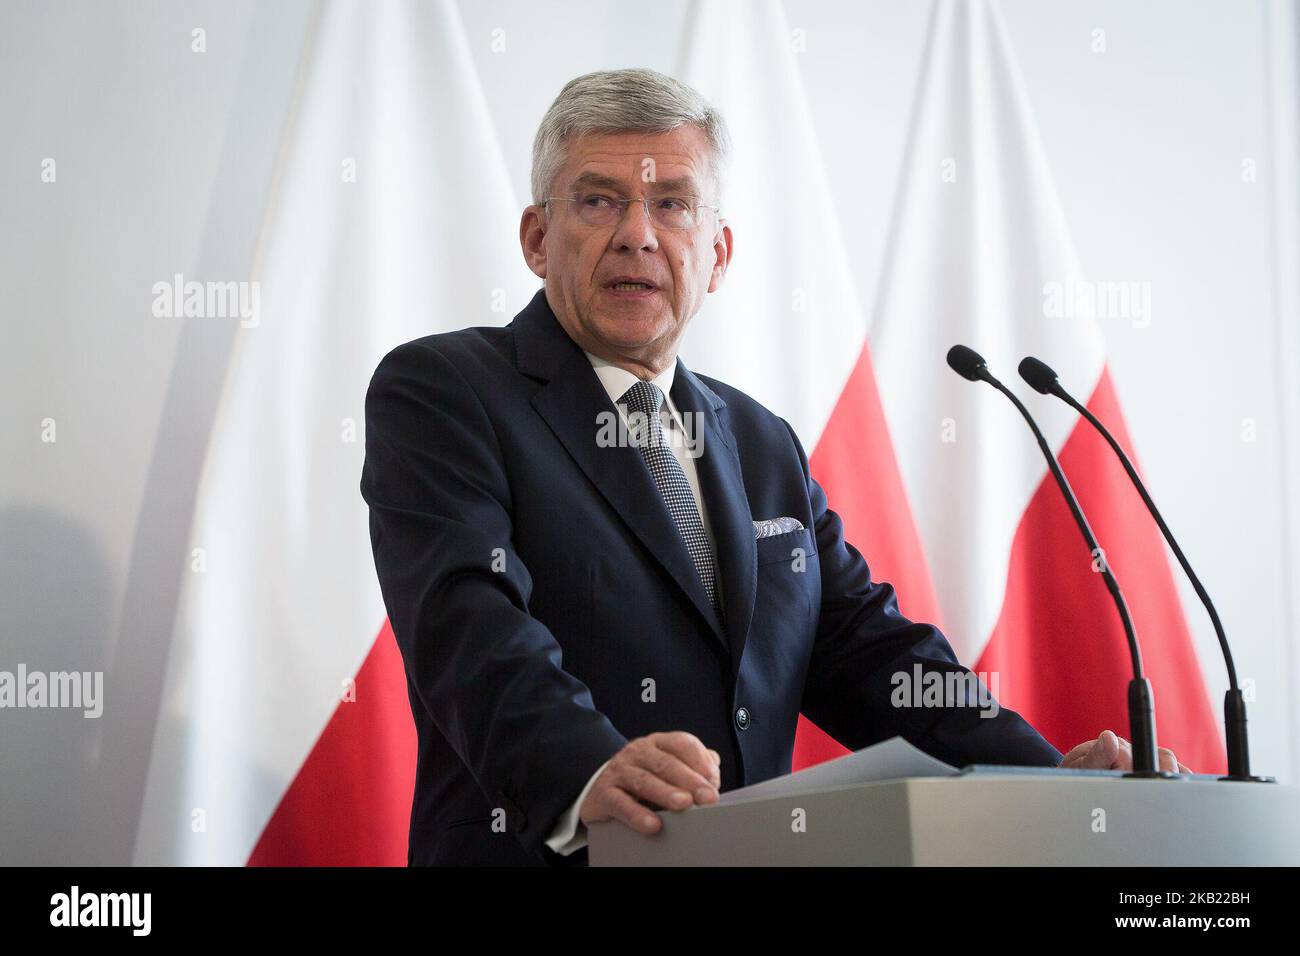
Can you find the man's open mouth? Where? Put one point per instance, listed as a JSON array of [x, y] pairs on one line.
[[630, 284]]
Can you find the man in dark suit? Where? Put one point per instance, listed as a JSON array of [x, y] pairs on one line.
[[614, 583]]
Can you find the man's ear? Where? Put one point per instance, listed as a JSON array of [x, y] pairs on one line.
[[532, 233], [723, 249]]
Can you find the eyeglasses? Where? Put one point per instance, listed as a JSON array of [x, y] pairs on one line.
[[667, 212]]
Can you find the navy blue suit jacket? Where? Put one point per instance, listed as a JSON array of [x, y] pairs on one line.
[[535, 582]]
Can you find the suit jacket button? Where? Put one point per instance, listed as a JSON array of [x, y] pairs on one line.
[[742, 718]]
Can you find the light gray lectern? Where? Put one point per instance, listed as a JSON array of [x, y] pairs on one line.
[[986, 818]]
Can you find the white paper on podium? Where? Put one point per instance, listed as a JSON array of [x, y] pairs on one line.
[[889, 760]]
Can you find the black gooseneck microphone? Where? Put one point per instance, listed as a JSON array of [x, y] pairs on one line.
[[1041, 378], [1141, 709]]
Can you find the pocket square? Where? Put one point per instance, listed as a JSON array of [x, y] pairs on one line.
[[773, 526]]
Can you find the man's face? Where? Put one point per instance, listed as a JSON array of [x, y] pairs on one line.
[[580, 262]]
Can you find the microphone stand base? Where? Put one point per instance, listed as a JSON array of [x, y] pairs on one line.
[[1152, 775]]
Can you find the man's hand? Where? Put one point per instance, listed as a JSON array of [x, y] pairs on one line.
[[1109, 752], [668, 770]]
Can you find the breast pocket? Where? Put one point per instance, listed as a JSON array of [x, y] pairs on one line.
[[789, 577], [786, 610], [790, 546]]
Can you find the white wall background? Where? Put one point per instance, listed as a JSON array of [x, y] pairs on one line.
[[164, 158]]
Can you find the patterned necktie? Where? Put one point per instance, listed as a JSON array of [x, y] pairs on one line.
[[643, 401]]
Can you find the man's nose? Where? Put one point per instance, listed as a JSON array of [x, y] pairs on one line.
[[635, 230]]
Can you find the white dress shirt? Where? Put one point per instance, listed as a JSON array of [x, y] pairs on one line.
[[570, 834]]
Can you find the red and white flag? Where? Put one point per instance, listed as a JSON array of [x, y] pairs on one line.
[[939, 484], [285, 735], [980, 254]]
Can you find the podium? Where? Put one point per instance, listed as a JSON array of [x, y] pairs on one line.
[[985, 818]]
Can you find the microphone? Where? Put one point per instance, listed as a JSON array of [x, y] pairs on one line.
[[1041, 378], [970, 365]]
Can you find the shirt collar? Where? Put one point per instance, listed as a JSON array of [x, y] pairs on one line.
[[618, 380]]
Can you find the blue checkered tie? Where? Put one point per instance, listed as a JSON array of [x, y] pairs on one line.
[[643, 401]]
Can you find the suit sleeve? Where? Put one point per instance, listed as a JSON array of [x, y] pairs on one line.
[[863, 641], [570, 833], [487, 672]]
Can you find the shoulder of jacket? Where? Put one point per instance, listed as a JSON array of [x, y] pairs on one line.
[[466, 349], [741, 404]]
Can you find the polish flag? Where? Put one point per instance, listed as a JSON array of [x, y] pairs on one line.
[[979, 253], [285, 735], [939, 483]]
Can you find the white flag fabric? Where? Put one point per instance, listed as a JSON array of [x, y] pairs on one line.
[[786, 327], [978, 231]]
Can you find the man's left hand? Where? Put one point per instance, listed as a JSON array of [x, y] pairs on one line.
[[1110, 752]]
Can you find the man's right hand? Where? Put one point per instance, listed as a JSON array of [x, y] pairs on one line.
[[671, 771]]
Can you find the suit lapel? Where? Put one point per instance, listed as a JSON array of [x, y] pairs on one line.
[[571, 401], [723, 488]]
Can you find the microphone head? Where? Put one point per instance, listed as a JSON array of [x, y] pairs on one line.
[[1038, 375], [967, 363]]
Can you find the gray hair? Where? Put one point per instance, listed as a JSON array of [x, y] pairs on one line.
[[624, 101]]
